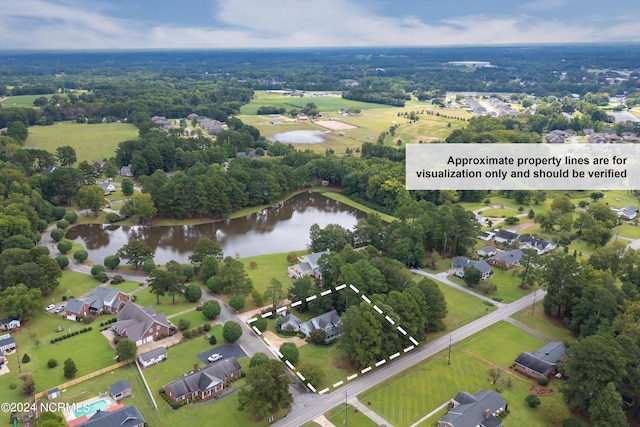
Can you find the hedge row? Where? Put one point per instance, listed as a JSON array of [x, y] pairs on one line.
[[71, 334]]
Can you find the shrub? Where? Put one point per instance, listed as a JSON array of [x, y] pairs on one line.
[[111, 261], [80, 255], [62, 261], [71, 217], [62, 224], [317, 337], [532, 400], [193, 292], [260, 323], [117, 279], [96, 269], [183, 324], [542, 380], [510, 220], [206, 327], [58, 212], [64, 246], [187, 334], [64, 297], [290, 352], [231, 331], [213, 340], [112, 217], [148, 265], [237, 302], [13, 386], [57, 234], [26, 358], [52, 363]]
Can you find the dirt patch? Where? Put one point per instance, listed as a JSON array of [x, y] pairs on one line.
[[523, 226], [277, 341], [541, 391], [334, 125]]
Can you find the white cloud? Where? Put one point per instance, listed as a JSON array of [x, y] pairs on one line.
[[42, 24]]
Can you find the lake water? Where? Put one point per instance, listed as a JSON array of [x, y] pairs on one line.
[[280, 228]]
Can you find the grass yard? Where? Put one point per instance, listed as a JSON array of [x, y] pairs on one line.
[[145, 298], [508, 290], [23, 100], [195, 318], [268, 267], [551, 328], [71, 284], [406, 398], [499, 213], [352, 417], [91, 142], [463, 309], [328, 358], [126, 287], [324, 103], [347, 201], [627, 229]]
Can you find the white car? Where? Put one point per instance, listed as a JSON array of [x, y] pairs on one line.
[[59, 309], [50, 307], [214, 357]]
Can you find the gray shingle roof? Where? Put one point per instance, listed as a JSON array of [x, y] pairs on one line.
[[152, 354], [471, 411], [129, 416], [119, 387], [204, 379], [134, 320], [74, 305]]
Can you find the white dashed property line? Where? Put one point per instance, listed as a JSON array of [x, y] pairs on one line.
[[313, 297]]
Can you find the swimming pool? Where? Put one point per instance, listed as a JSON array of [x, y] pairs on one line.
[[91, 408]]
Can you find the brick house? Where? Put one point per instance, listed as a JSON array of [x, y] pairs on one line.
[[203, 384], [140, 324]]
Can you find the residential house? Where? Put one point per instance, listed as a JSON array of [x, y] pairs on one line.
[[152, 357], [459, 264], [502, 236], [475, 410], [329, 322], [588, 131], [53, 393], [308, 266], [540, 246], [204, 383], [629, 137], [543, 361], [506, 260], [556, 137], [597, 138], [611, 135], [126, 416], [627, 213], [485, 235], [107, 187], [140, 324], [9, 323], [120, 390], [487, 251], [101, 300], [126, 171], [7, 343]]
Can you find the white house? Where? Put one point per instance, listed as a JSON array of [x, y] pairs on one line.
[[9, 323], [7, 343], [152, 357]]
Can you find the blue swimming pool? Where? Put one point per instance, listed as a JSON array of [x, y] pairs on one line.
[[91, 408]]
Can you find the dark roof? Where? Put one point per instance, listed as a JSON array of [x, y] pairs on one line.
[[539, 366], [134, 320], [509, 257], [460, 261], [552, 351], [8, 320], [204, 379], [129, 416], [470, 410], [7, 342], [152, 354], [504, 234], [119, 387], [483, 266], [74, 305]]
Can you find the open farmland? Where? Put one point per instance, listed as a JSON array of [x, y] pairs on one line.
[[91, 142], [329, 102]]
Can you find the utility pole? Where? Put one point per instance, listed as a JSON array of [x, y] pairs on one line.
[[346, 409], [449, 356], [533, 306]]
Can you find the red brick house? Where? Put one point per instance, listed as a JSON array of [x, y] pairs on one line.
[[140, 324], [203, 384], [101, 300]]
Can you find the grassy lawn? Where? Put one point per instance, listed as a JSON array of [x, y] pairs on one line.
[[268, 267], [499, 213], [71, 284], [551, 328], [328, 358], [23, 101], [344, 199], [463, 309], [352, 417], [145, 298], [195, 318], [324, 103], [91, 142], [124, 286], [627, 229], [406, 398], [507, 285]]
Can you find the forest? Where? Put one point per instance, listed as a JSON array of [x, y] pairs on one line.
[[597, 297]]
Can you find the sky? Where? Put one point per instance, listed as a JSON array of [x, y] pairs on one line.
[[214, 24]]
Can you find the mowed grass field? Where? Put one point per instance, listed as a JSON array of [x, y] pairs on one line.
[[22, 100], [324, 103], [91, 142]]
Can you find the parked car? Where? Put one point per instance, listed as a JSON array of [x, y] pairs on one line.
[[50, 307], [214, 357], [60, 309]]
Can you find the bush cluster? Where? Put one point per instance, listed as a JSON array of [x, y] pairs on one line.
[[193, 332], [107, 322], [71, 334]]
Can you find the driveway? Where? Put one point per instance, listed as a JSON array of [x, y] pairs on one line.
[[227, 351]]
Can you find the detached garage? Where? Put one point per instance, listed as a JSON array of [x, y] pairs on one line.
[[152, 357]]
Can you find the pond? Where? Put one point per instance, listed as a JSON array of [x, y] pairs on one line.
[[281, 228]]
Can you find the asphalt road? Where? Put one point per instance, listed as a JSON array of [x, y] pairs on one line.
[[308, 406]]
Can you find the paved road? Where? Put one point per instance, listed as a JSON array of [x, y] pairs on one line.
[[309, 406], [442, 277]]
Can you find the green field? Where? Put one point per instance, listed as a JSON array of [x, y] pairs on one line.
[[352, 417], [91, 142], [22, 100], [324, 103]]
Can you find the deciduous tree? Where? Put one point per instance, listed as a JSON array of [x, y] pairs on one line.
[[135, 252], [267, 391], [20, 301], [126, 349]]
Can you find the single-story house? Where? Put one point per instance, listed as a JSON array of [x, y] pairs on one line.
[[107, 187], [54, 393], [308, 266], [508, 259], [9, 323], [502, 236], [475, 410], [487, 251], [7, 343], [140, 324], [120, 390], [204, 383], [127, 416], [485, 235], [540, 246], [459, 264], [101, 300], [543, 361], [152, 357], [329, 322], [627, 213]]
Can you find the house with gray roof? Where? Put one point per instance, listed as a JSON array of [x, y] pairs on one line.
[[140, 324], [152, 357], [204, 383], [308, 266], [7, 343], [475, 410], [127, 416], [329, 322], [539, 245], [506, 260], [460, 263], [502, 236], [627, 213], [101, 300], [120, 390], [9, 323], [543, 361], [487, 251]]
